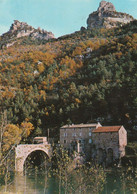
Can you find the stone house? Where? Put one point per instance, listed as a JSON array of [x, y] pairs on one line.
[[109, 143], [78, 137]]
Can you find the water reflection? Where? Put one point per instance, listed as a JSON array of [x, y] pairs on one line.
[[27, 184], [38, 182]]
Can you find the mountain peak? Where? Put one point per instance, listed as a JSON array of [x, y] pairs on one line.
[[17, 25], [106, 6], [106, 16], [21, 29]]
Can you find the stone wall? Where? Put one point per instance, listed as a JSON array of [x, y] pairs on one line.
[[74, 134], [106, 141], [23, 151], [109, 143], [70, 136], [122, 141]]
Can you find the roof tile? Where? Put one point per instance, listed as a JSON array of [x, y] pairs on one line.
[[107, 129], [80, 126]]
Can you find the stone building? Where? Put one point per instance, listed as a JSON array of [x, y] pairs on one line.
[[109, 143], [77, 137]]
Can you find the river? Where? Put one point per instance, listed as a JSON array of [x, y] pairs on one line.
[[33, 183], [40, 183]]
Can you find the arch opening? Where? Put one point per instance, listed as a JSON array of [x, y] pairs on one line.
[[110, 155], [36, 160], [100, 156]]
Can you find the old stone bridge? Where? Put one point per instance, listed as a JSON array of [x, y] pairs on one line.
[[24, 150]]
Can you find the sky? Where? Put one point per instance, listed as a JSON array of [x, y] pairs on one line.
[[58, 16]]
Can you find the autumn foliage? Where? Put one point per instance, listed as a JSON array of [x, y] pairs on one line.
[[83, 77]]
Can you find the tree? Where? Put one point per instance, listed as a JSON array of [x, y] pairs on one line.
[[73, 178], [26, 128], [3, 123], [11, 136], [89, 178], [62, 168]]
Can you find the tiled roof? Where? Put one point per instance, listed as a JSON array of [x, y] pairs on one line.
[[80, 126], [107, 129]]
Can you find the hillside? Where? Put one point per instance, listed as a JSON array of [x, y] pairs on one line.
[[83, 77]]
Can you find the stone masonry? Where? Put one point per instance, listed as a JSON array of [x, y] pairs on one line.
[[78, 137], [23, 151], [104, 144], [109, 143]]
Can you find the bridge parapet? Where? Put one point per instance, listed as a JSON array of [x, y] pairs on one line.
[[24, 150]]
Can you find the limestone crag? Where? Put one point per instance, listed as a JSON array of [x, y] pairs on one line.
[[20, 29], [106, 6], [107, 17]]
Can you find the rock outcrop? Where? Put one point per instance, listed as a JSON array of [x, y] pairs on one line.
[[107, 17], [20, 29]]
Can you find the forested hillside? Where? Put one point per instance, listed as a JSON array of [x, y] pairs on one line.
[[87, 76]]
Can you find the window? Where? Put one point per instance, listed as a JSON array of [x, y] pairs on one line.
[[65, 141], [90, 140], [89, 133], [73, 134], [65, 134], [80, 134]]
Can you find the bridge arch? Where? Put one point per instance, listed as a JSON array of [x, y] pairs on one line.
[[23, 151], [38, 158]]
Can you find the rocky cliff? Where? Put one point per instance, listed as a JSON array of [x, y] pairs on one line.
[[107, 17], [20, 29]]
